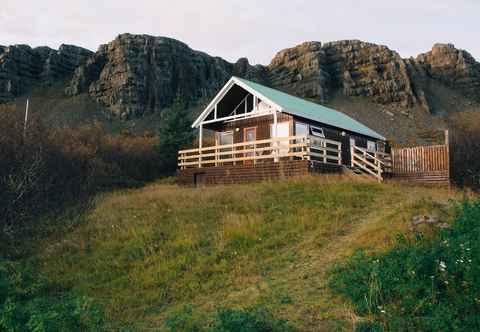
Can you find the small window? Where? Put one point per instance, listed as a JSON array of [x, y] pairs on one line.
[[317, 131], [301, 129], [225, 138], [371, 146]]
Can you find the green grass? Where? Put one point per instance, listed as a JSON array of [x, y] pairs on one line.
[[421, 284], [146, 253]]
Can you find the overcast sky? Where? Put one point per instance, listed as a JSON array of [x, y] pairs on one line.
[[256, 29]]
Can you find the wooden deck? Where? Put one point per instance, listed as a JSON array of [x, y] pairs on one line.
[[298, 155], [269, 150]]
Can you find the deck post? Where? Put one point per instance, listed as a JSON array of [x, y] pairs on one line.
[[200, 141], [275, 134]]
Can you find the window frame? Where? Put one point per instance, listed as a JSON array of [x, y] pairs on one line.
[[221, 134], [313, 128], [369, 143]]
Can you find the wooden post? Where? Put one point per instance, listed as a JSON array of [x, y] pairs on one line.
[[351, 154], [216, 149], [200, 142], [339, 154], [447, 145], [275, 133]]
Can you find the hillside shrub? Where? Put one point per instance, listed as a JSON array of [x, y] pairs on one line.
[[174, 133], [43, 168], [465, 149], [29, 304], [421, 284], [253, 319]]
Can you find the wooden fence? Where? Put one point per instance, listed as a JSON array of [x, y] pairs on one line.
[[430, 164]]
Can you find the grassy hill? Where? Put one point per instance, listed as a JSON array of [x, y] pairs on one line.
[[145, 254]]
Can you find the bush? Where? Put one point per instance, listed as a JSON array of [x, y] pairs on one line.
[[249, 320], [255, 319], [465, 149], [421, 284], [47, 168], [28, 304]]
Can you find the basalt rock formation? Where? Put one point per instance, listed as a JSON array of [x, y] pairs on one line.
[[356, 68], [138, 74], [22, 67], [454, 68], [135, 74]]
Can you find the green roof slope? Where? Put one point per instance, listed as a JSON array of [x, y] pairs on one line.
[[306, 109]]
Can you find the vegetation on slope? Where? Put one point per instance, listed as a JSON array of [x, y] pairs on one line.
[[28, 303], [145, 254], [422, 284]]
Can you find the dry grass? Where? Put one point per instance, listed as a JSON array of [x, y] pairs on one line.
[[145, 253]]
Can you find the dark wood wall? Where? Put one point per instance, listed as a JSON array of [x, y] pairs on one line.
[[335, 134], [263, 123]]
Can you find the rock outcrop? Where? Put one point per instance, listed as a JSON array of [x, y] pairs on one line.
[[135, 74], [453, 67], [22, 67], [138, 74], [302, 71], [356, 68]]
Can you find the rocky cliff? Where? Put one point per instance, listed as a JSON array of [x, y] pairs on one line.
[[22, 67], [138, 74], [356, 68], [135, 74]]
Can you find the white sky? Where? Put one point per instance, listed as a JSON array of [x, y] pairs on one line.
[[245, 28]]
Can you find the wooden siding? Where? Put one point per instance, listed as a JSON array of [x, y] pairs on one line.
[[263, 131], [427, 164], [335, 134], [262, 124], [232, 174]]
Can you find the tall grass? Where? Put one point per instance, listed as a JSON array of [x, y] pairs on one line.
[[146, 252]]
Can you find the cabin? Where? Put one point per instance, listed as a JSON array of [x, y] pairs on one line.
[[258, 133]]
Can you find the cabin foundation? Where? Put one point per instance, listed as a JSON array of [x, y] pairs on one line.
[[269, 171]]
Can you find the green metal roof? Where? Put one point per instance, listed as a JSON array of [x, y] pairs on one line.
[[306, 109]]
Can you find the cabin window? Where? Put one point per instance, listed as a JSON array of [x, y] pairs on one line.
[[301, 129], [371, 146], [352, 141], [317, 131], [225, 138]]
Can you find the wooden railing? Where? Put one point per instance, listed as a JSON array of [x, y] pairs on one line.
[[324, 150], [275, 149], [373, 163]]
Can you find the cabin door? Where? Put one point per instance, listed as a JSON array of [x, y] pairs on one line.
[[249, 135], [283, 130]]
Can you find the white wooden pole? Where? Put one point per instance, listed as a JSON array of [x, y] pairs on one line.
[[26, 120], [275, 134], [200, 143]]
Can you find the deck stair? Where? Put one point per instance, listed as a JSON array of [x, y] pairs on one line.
[[376, 164]]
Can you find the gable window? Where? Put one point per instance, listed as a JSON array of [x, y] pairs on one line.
[[225, 138], [371, 146], [317, 131]]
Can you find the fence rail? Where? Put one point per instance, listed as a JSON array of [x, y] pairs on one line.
[[300, 147], [373, 163], [421, 159]]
